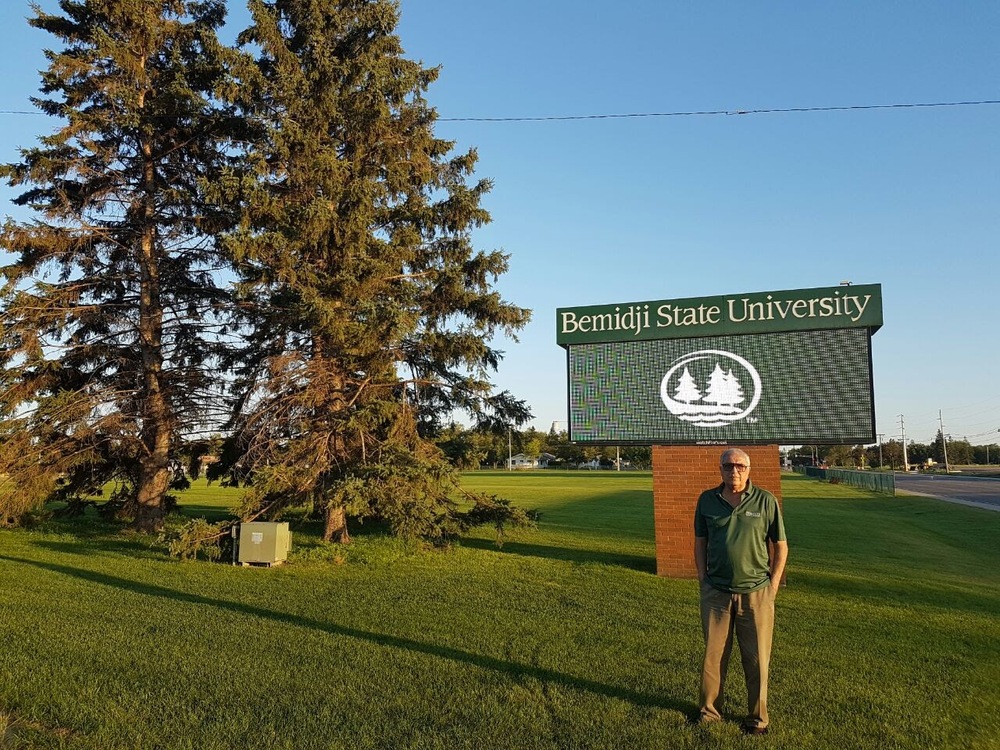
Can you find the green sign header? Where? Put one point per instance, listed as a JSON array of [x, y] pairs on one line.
[[729, 315]]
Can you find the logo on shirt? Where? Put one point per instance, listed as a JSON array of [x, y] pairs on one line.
[[752, 515], [711, 388]]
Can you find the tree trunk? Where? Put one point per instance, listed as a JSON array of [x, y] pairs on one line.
[[154, 413], [335, 526], [154, 482]]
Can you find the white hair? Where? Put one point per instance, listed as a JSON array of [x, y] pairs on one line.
[[734, 452]]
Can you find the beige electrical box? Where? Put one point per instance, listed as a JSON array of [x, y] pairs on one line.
[[264, 542]]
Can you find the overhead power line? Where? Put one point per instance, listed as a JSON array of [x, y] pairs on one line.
[[727, 112], [693, 113]]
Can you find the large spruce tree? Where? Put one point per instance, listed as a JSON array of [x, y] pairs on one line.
[[369, 313], [107, 312]]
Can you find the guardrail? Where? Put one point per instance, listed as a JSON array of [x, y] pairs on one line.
[[876, 481]]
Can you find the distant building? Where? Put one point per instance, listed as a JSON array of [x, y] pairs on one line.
[[521, 461]]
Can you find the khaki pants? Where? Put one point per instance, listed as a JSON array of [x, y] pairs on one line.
[[751, 618]]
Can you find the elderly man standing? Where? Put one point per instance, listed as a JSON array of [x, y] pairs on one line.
[[733, 524]]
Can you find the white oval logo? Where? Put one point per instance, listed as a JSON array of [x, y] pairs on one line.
[[715, 395]]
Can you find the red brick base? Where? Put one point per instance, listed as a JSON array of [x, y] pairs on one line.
[[680, 474]]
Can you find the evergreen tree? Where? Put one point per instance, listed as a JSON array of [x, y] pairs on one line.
[[687, 390], [937, 448], [718, 389], [369, 313], [734, 391], [107, 311]]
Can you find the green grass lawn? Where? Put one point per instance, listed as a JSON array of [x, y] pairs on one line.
[[888, 634]]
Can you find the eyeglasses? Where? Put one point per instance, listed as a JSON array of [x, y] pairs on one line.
[[735, 467]]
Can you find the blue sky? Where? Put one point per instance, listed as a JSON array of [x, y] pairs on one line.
[[620, 210]]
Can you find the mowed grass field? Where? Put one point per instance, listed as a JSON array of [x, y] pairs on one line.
[[888, 633]]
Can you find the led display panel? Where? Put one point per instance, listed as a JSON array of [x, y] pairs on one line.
[[788, 387]]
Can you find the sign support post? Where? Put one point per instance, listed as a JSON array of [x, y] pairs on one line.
[[680, 474]]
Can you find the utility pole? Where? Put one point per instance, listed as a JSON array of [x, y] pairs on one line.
[[510, 451], [880, 435], [944, 443], [902, 432]]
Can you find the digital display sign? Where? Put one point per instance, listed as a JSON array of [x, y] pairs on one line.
[[787, 388], [777, 384]]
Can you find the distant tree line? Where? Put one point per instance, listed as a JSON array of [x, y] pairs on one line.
[[960, 452], [472, 448]]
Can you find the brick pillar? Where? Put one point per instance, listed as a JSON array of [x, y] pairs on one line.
[[680, 474]]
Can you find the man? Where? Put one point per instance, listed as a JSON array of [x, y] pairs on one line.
[[739, 576]]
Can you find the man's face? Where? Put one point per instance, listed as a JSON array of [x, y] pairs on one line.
[[735, 472]]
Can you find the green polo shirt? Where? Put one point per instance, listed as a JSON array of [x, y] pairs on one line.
[[736, 559]]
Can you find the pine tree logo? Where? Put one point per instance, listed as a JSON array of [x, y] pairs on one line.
[[721, 399]]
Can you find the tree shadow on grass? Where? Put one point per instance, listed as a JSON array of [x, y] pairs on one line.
[[89, 538], [92, 537], [211, 513], [640, 563], [92, 544], [512, 669]]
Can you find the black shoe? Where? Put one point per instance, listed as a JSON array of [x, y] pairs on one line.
[[753, 730]]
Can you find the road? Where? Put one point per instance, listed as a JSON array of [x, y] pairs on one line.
[[984, 493]]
